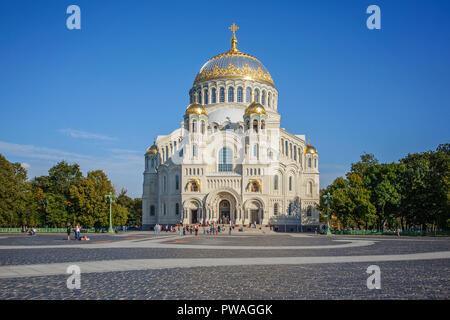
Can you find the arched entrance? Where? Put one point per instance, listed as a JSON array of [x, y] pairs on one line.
[[224, 211], [254, 212], [223, 206]]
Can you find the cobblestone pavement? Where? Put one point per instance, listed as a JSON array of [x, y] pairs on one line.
[[416, 279]]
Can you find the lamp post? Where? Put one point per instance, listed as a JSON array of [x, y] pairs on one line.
[[328, 198], [110, 197]]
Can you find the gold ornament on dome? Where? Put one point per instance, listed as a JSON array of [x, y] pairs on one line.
[[255, 107], [310, 149], [195, 108], [245, 73], [153, 149], [231, 71]]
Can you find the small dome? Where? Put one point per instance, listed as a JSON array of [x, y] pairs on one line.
[[310, 149], [152, 149], [255, 107], [195, 108]]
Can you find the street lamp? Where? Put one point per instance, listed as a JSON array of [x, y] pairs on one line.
[[110, 197], [328, 198]]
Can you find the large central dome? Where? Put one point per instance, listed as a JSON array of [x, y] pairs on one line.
[[234, 64]]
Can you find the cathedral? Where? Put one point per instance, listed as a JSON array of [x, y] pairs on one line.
[[230, 161]]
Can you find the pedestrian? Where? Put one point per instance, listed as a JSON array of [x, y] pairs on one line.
[[229, 232], [68, 230], [78, 230], [196, 229]]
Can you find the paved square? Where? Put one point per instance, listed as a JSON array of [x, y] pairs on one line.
[[140, 265]]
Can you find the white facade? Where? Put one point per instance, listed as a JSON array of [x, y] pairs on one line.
[[230, 161]]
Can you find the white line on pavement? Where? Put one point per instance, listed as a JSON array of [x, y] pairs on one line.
[[151, 264]]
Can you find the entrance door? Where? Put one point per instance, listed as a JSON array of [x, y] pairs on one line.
[[194, 216], [224, 212], [254, 216]]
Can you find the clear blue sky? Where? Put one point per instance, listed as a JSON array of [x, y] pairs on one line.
[[99, 95]]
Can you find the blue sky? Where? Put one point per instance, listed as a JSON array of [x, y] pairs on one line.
[[98, 96]]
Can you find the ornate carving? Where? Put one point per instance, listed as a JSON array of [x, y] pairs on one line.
[[232, 72]]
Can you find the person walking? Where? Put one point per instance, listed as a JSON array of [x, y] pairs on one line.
[[78, 230], [68, 230], [196, 229]]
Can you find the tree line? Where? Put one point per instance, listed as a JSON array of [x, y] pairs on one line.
[[413, 193], [62, 196]]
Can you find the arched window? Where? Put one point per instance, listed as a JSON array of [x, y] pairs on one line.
[[257, 95], [263, 98], [315, 163], [230, 94], [275, 209], [255, 125], [295, 153], [177, 209], [255, 150], [286, 148], [200, 97], [152, 210], [164, 208], [205, 94], [269, 100], [180, 153], [225, 160], [153, 163], [263, 125], [239, 94], [309, 162], [222, 95], [213, 95], [248, 95], [309, 211], [174, 146], [194, 150], [194, 125], [177, 182], [309, 187], [275, 182], [167, 152], [290, 183]]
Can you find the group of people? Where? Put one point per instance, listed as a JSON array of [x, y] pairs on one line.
[[76, 231], [159, 228]]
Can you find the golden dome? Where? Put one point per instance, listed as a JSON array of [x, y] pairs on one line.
[[195, 108], [153, 149], [255, 107], [234, 64], [310, 149]]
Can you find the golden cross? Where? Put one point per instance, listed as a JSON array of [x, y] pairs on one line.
[[234, 28]]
